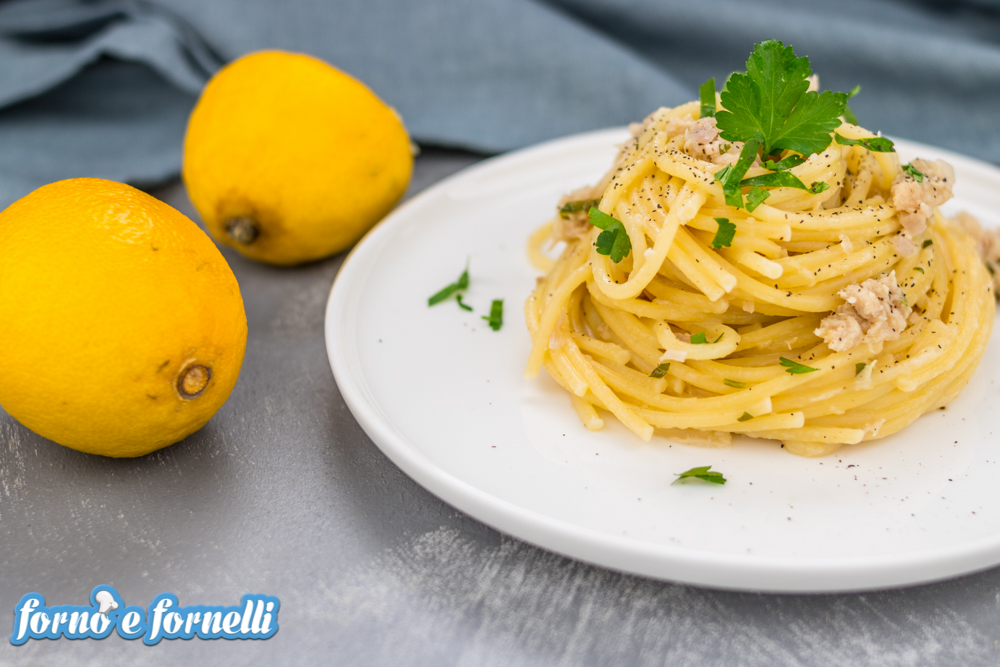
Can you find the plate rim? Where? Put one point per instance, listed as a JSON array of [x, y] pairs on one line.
[[735, 572]]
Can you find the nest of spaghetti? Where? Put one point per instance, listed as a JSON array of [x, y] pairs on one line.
[[822, 317]]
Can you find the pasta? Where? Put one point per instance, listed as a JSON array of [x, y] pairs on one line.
[[834, 315]]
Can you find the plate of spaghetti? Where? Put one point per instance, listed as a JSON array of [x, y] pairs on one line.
[[753, 354]]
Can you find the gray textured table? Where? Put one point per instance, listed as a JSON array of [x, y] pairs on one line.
[[283, 494]]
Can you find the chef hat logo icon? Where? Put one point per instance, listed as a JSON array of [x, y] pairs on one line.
[[106, 601]]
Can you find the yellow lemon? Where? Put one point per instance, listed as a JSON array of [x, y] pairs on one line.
[[290, 160], [123, 327]]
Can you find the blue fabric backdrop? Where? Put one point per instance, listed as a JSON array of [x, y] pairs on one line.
[[103, 87]]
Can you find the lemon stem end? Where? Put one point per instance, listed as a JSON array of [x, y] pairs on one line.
[[242, 230]]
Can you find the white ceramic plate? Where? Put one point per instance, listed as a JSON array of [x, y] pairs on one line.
[[443, 396]]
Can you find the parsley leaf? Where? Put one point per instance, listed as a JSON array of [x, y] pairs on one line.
[[858, 367], [874, 144], [614, 240], [495, 318], [818, 187], [707, 94], [795, 368], [848, 114], [576, 206], [745, 417], [724, 237], [778, 179], [699, 338], [792, 160], [917, 175], [770, 103], [660, 371], [735, 384], [460, 284], [704, 473], [927, 242], [461, 305], [921, 270], [729, 177], [756, 197]]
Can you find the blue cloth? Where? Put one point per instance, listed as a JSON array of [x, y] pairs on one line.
[[103, 87]]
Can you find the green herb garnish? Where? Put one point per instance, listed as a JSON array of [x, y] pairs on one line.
[[858, 367], [613, 241], [576, 206], [927, 242], [756, 197], [699, 338], [724, 237], [921, 270], [771, 103], [874, 144], [707, 94], [745, 417], [848, 114], [795, 368], [660, 371], [729, 177], [461, 284], [917, 175], [704, 473], [495, 318], [792, 160], [462, 305], [735, 384]]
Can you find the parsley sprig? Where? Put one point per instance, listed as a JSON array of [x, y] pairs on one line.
[[703, 473], [771, 104]]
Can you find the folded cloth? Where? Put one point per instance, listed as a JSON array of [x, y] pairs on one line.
[[103, 87]]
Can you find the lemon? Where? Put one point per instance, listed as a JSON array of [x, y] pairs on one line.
[[123, 326], [290, 160]]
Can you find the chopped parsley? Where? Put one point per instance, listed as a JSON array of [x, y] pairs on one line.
[[730, 176], [858, 367], [495, 318], [699, 338], [576, 206], [927, 242], [660, 371], [787, 163], [462, 305], [848, 114], [771, 103], [874, 144], [795, 368], [745, 417], [735, 384], [707, 94], [613, 241], [724, 237], [457, 286], [917, 175], [756, 197], [921, 270], [704, 473], [779, 179]]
